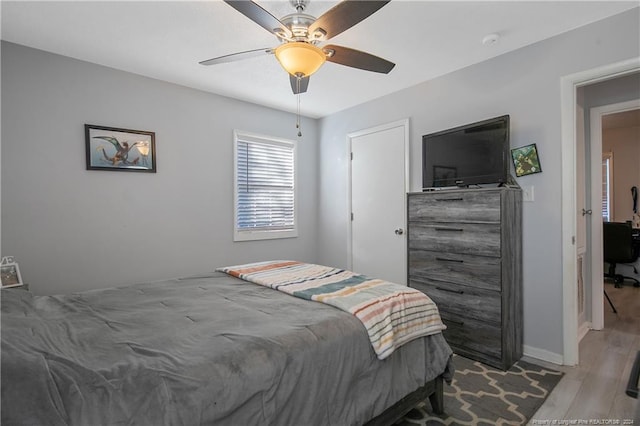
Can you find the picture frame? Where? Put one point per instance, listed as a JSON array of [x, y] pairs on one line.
[[526, 160], [10, 273], [115, 149]]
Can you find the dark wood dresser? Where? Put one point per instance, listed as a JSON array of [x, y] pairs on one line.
[[465, 252]]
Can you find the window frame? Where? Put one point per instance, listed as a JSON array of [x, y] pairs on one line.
[[263, 234]]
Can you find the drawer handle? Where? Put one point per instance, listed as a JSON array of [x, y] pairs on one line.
[[449, 199], [443, 259], [449, 229], [450, 290], [460, 323], [632, 386]]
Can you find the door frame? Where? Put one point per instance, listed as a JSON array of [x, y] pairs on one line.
[[568, 101], [350, 136], [597, 268]]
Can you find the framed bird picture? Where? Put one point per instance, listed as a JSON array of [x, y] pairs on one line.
[[110, 148]]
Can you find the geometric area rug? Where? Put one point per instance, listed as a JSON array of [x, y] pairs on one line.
[[483, 395]]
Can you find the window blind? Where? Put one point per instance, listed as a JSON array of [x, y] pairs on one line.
[[265, 186], [606, 187]]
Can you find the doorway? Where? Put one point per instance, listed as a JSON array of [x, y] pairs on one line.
[[597, 116], [569, 107]]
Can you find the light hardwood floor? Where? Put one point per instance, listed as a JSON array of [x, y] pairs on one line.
[[595, 389]]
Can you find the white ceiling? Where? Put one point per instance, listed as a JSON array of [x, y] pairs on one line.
[[166, 40]]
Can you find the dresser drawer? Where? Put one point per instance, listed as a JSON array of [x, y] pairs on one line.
[[465, 238], [470, 270], [472, 206], [470, 302], [474, 339]]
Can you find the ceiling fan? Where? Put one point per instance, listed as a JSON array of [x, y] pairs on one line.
[[301, 52]]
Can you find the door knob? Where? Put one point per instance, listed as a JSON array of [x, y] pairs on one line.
[[585, 212], [399, 231]]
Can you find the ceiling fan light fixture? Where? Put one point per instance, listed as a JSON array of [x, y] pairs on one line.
[[300, 58]]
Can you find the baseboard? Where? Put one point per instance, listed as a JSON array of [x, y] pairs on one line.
[[543, 355], [583, 330]]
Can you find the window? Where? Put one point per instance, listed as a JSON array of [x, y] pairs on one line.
[[607, 186], [265, 190]]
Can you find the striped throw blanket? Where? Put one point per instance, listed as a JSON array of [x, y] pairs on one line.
[[393, 314]]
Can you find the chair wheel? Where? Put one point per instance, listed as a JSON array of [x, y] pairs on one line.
[[618, 280]]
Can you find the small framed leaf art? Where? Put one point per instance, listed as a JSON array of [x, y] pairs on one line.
[[10, 272], [110, 148], [525, 160]]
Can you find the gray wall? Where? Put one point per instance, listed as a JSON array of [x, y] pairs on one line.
[[72, 229], [524, 84], [0, 144]]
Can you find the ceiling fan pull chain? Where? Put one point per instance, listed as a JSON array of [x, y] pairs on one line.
[[298, 80]]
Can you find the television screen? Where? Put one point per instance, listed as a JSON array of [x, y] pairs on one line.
[[473, 154]]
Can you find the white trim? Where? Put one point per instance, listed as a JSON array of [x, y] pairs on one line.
[[584, 329], [568, 86], [264, 234], [400, 123], [542, 354], [597, 267]]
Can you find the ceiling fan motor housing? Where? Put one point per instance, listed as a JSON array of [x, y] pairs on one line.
[[299, 24], [300, 5]]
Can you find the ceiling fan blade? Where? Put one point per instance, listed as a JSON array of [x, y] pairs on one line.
[[237, 56], [304, 84], [260, 16], [344, 16], [357, 59]]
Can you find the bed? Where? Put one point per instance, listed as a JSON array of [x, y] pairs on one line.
[[207, 349]]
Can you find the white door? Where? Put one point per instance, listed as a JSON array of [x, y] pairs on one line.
[[379, 182]]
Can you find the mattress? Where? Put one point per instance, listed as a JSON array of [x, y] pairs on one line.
[[209, 349]]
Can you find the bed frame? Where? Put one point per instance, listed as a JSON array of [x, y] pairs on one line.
[[434, 390]]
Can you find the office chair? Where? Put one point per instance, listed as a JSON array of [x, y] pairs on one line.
[[619, 247]]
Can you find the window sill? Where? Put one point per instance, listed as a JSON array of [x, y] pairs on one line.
[[264, 235]]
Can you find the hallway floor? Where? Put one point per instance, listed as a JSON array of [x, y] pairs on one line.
[[595, 389]]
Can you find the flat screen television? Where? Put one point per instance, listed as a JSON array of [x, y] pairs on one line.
[[473, 154]]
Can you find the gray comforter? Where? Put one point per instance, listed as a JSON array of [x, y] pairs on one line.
[[202, 350]]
